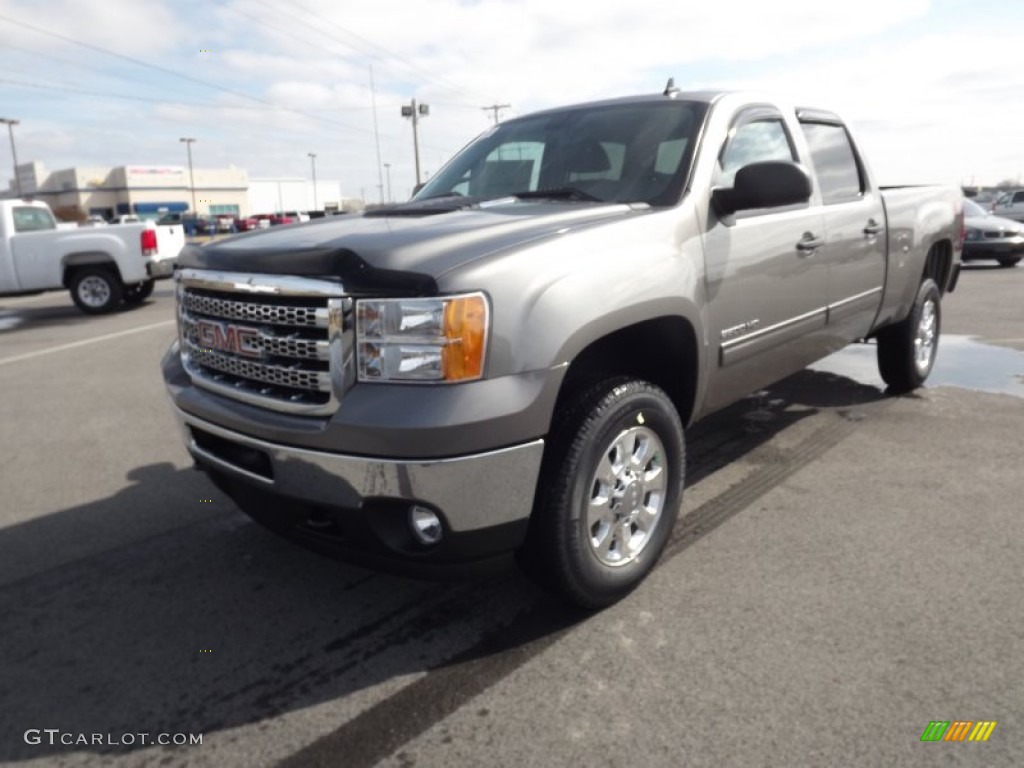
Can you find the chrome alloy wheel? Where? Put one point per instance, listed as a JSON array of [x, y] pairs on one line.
[[924, 339], [94, 291], [627, 496]]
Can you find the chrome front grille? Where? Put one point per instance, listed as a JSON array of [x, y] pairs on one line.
[[274, 314], [282, 343]]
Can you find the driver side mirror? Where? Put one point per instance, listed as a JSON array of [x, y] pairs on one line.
[[763, 185]]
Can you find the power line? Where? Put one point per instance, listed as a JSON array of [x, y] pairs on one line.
[[168, 102], [175, 73], [408, 64]]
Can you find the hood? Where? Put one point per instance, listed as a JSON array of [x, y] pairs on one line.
[[382, 252], [993, 224]]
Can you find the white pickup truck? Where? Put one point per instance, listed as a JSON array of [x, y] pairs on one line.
[[100, 267]]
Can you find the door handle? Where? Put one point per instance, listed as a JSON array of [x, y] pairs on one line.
[[809, 243], [873, 228]]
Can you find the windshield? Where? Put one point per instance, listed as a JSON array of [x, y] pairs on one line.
[[637, 152], [972, 209]]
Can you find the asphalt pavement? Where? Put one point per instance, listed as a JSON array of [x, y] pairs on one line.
[[847, 568]]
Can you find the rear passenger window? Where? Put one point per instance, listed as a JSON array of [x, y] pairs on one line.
[[28, 219], [834, 161], [755, 142]]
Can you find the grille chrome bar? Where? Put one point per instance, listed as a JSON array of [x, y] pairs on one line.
[[292, 377], [281, 343], [277, 314], [269, 342]]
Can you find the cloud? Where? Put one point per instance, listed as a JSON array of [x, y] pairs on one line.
[[131, 28], [933, 94]]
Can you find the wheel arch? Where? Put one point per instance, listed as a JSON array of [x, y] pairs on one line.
[[938, 264], [73, 262], [662, 350]]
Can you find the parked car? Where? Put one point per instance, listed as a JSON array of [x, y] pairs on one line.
[[226, 223], [1010, 205], [296, 216], [94, 220], [281, 218], [247, 223], [126, 218], [263, 219], [991, 237]]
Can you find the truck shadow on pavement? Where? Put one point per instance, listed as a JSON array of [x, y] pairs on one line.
[[15, 318], [214, 624]]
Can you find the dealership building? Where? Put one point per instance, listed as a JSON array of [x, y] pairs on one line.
[[152, 190]]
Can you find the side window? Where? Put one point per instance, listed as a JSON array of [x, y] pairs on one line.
[[1019, 197], [595, 161], [28, 219], [835, 163], [512, 167], [757, 141], [670, 153]]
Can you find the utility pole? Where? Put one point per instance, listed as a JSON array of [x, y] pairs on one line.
[[312, 160], [10, 123], [376, 134], [191, 176], [494, 109], [416, 111], [387, 168]]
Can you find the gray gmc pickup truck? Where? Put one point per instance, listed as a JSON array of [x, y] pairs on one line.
[[507, 363]]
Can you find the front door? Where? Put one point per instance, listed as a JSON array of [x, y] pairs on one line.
[[766, 287]]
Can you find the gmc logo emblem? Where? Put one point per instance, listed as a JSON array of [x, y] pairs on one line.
[[229, 338]]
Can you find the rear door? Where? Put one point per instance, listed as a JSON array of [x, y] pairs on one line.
[[766, 287], [855, 234]]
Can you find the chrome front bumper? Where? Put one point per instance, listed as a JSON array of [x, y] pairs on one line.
[[161, 269], [471, 492]]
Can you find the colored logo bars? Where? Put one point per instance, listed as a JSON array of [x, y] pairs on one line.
[[943, 730]]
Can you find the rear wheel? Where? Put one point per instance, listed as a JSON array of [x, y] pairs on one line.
[[609, 494], [907, 350], [96, 290], [136, 294], [1008, 261]]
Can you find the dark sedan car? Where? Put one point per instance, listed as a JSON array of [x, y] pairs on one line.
[[991, 237]]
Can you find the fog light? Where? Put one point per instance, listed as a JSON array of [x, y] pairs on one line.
[[425, 524]]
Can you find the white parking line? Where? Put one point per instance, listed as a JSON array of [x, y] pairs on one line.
[[84, 342]]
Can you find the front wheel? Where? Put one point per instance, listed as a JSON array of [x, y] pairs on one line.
[[907, 350], [609, 494], [96, 290]]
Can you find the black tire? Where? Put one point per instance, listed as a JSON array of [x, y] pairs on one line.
[[96, 290], [564, 549], [907, 350], [138, 293], [1008, 261]]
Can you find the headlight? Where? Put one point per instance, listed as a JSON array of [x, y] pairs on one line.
[[972, 234], [440, 339]]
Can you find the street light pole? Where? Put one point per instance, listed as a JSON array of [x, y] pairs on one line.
[[387, 167], [312, 160], [416, 111], [191, 176], [14, 155]]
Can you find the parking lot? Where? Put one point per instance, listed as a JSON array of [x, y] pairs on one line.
[[847, 568]]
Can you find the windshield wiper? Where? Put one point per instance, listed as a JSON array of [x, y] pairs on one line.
[[558, 193]]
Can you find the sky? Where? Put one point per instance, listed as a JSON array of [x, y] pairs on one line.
[[934, 91]]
